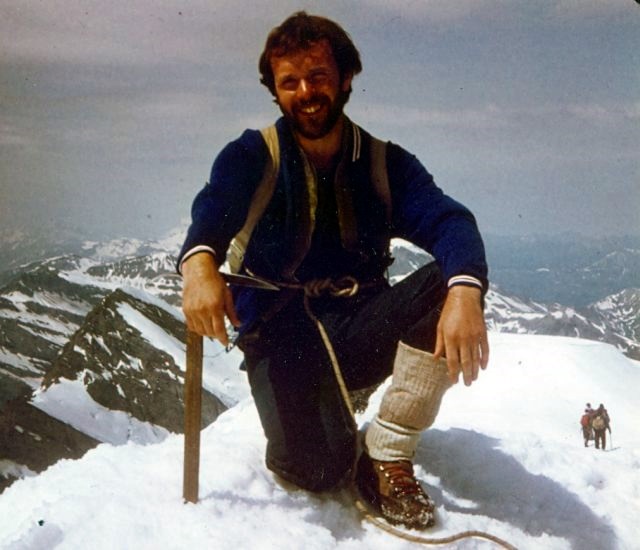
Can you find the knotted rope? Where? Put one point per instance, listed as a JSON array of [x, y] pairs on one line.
[[345, 287]]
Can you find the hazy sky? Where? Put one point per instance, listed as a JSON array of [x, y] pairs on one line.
[[527, 111]]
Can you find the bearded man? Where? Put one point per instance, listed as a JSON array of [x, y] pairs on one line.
[[336, 196]]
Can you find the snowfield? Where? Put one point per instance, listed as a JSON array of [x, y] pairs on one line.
[[504, 456]]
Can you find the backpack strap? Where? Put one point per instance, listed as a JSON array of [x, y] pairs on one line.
[[379, 174], [266, 187], [259, 201]]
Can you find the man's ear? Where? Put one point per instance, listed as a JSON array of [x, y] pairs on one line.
[[346, 82]]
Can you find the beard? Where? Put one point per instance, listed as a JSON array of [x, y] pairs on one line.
[[317, 125]]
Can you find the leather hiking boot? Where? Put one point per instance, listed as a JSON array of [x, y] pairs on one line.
[[393, 491]]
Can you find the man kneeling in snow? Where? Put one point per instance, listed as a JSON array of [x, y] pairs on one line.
[[334, 198]]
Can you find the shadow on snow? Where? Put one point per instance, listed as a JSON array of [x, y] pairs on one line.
[[470, 467]]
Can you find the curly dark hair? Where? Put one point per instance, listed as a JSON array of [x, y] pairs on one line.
[[300, 31]]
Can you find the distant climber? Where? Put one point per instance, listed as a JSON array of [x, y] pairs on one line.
[[585, 422], [600, 422]]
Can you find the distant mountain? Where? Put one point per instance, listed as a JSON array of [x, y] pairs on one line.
[[506, 314], [39, 310], [45, 304], [566, 269], [20, 249]]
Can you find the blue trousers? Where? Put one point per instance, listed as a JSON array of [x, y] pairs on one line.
[[311, 437]]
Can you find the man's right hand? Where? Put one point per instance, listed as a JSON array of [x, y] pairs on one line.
[[206, 299]]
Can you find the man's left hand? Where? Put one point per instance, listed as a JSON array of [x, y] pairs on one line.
[[462, 334]]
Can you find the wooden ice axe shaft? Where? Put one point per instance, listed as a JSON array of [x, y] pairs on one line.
[[192, 417]]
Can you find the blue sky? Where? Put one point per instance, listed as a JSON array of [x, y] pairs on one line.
[[528, 112]]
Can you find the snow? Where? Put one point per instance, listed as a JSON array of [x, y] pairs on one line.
[[10, 468], [504, 456], [118, 248], [69, 402], [43, 325], [154, 300], [221, 376], [153, 333], [16, 360]]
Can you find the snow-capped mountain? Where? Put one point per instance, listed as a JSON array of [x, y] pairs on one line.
[[39, 310], [508, 314], [49, 313], [622, 312], [142, 378], [42, 303], [20, 249], [566, 269]]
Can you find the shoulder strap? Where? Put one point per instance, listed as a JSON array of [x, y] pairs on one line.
[[264, 192], [259, 201], [379, 175]]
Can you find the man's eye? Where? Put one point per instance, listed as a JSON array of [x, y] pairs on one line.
[[318, 78], [288, 84]]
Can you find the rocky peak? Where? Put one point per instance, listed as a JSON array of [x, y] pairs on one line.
[[120, 354]]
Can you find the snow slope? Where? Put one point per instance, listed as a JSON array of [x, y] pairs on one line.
[[504, 456]]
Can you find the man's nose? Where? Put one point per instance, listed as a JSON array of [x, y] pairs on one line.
[[305, 89]]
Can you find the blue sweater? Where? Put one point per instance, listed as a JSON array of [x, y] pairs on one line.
[[347, 233]]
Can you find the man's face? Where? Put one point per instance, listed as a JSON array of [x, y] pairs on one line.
[[308, 89]]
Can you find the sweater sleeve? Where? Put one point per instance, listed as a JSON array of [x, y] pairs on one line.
[[424, 215], [219, 210]]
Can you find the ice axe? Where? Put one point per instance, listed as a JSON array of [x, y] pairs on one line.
[[193, 396], [192, 417]]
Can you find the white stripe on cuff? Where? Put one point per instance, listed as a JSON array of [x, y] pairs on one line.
[[464, 280], [192, 251]]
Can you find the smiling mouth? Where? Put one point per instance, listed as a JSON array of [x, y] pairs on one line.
[[311, 109]]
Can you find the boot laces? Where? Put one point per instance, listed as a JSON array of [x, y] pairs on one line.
[[401, 479]]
